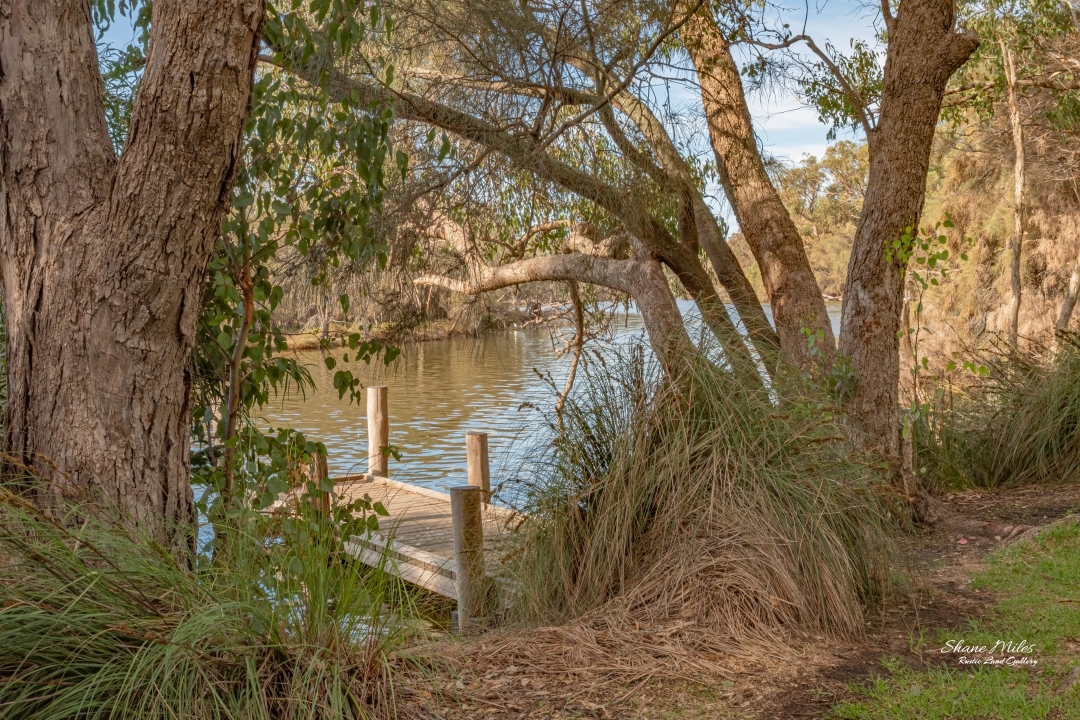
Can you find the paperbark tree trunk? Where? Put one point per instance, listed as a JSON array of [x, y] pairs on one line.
[[103, 258], [777, 246], [924, 51], [1016, 247], [673, 168]]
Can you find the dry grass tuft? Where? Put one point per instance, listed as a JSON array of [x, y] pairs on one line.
[[675, 527]]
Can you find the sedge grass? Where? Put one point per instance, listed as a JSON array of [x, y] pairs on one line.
[[96, 622], [744, 515], [1017, 425]]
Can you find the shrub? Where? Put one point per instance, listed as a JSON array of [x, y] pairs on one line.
[[744, 515], [1017, 424]]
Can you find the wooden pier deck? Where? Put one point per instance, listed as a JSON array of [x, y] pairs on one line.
[[418, 536], [451, 543]]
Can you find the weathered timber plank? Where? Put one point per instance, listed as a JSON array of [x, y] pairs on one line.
[[408, 563], [418, 537]]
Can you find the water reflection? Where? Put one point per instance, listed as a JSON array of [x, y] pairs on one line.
[[438, 391]]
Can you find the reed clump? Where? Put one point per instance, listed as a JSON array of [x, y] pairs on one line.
[[725, 519], [1014, 424], [99, 622]]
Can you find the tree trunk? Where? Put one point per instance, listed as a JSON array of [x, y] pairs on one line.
[[521, 150], [771, 234], [1069, 303], [734, 281], [324, 317], [1016, 247], [709, 235], [924, 51], [103, 259], [641, 278]]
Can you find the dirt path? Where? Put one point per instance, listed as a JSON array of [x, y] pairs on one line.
[[803, 684]]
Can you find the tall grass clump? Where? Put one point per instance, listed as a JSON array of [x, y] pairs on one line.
[[99, 622], [694, 503], [1015, 424]]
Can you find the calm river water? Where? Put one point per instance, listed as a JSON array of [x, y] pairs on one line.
[[438, 391]]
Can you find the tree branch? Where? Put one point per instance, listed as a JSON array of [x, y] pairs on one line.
[[578, 344], [850, 93], [659, 40], [641, 278], [1046, 84], [887, 16], [1074, 12], [528, 154]]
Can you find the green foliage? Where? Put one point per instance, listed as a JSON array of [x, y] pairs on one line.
[[862, 69], [1014, 422], [926, 250], [268, 466], [1038, 34], [832, 373], [923, 261], [101, 622], [1037, 582], [121, 67]]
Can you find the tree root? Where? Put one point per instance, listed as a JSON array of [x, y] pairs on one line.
[[1071, 680], [931, 511]]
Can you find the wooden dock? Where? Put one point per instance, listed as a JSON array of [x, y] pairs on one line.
[[418, 536], [451, 543]]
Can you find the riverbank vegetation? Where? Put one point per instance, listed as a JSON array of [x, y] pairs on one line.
[[107, 623], [743, 516], [744, 489]]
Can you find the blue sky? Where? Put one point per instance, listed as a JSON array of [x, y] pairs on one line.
[[787, 129]]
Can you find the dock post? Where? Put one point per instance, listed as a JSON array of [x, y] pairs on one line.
[[317, 473], [467, 517], [378, 429], [476, 447]]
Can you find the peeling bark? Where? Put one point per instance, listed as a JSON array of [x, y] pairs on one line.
[[103, 258], [924, 51]]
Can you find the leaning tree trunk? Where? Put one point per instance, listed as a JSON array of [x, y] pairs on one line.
[[1016, 247], [794, 294], [924, 51], [710, 236], [1069, 302], [642, 278], [103, 258], [522, 150]]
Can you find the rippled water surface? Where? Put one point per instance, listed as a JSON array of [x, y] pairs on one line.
[[438, 391]]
